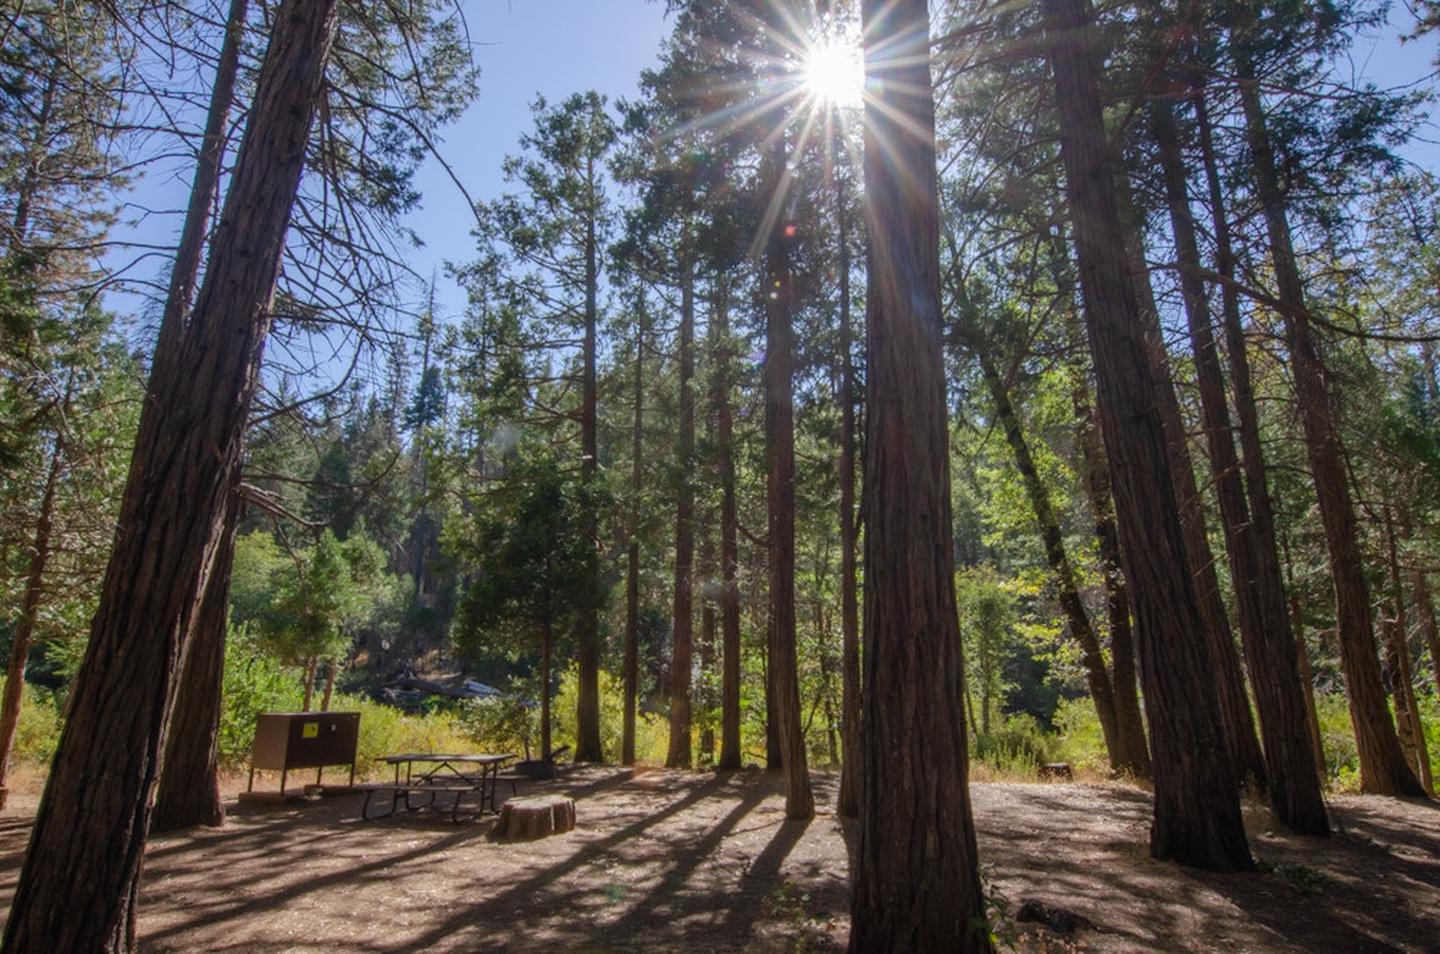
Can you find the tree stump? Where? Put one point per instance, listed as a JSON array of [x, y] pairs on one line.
[[525, 819], [1057, 772]]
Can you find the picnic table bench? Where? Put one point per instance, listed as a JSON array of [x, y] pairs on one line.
[[428, 775]]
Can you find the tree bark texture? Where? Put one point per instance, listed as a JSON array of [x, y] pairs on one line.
[[1383, 769], [1397, 660], [1133, 757], [780, 502], [1307, 682], [1294, 779], [848, 801], [730, 756], [679, 755], [89, 835], [1425, 609], [709, 625], [916, 881], [547, 643], [1197, 817], [190, 251], [632, 575], [189, 789], [30, 602], [587, 641], [1236, 719]]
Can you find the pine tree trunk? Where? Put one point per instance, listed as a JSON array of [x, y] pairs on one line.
[[679, 754], [708, 626], [331, 669], [848, 802], [1262, 511], [30, 603], [1307, 682], [730, 756], [780, 499], [1259, 590], [547, 642], [1236, 718], [1407, 713], [1383, 769], [89, 835], [1133, 757], [587, 695], [1425, 607], [311, 665], [189, 789], [916, 880], [190, 251], [632, 578], [1197, 817]]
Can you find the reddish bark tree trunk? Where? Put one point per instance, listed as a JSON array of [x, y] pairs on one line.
[[190, 252], [30, 603], [916, 881], [679, 755], [1425, 607], [780, 500], [547, 642], [1197, 817], [730, 756], [1134, 752], [1383, 769], [189, 789], [311, 665], [1236, 719], [1307, 682], [848, 801], [1259, 590], [708, 627], [1402, 678], [587, 636], [632, 578], [89, 835]]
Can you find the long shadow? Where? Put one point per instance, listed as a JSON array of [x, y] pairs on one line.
[[230, 910], [762, 873], [694, 854], [591, 852], [1318, 929]]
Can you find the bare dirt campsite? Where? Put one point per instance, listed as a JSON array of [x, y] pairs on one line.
[[924, 476], [671, 861]]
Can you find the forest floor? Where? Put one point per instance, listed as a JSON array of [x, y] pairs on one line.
[[669, 861]]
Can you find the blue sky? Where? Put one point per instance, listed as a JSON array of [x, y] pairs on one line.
[[557, 47], [549, 47]]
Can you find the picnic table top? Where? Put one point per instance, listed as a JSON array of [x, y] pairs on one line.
[[476, 758]]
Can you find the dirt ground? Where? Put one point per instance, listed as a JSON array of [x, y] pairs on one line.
[[667, 861]]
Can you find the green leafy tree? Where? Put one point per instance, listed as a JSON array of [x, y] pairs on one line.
[[533, 565]]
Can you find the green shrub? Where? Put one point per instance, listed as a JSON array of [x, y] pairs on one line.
[[1080, 740], [1018, 745], [254, 682], [388, 731], [38, 731]]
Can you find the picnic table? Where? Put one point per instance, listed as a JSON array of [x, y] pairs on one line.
[[429, 775]]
